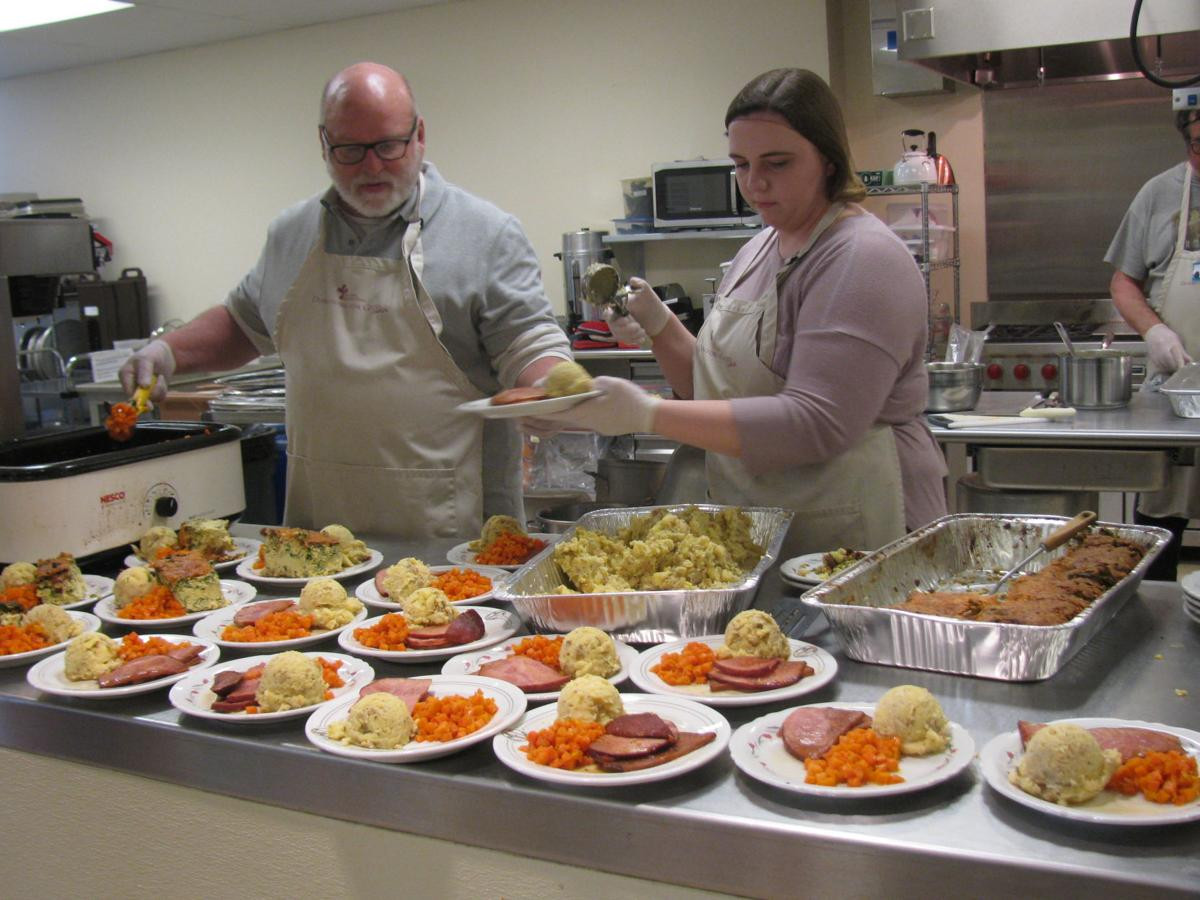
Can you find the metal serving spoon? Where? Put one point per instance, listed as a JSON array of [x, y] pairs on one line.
[[1056, 538], [1066, 338]]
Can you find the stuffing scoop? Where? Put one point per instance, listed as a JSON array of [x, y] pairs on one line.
[[1054, 539], [603, 287]]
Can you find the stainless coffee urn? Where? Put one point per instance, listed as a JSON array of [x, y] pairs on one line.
[[581, 249]]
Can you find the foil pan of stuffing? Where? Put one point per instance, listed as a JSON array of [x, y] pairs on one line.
[[967, 552], [640, 616]]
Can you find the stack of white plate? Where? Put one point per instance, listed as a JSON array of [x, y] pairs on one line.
[[1191, 596]]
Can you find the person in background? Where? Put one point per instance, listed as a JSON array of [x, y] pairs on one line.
[[392, 297], [1155, 287], [807, 382]]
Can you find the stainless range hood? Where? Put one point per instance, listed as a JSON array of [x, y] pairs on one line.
[[1023, 43]]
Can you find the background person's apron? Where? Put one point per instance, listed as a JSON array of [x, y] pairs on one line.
[[1176, 299], [374, 442], [854, 500]]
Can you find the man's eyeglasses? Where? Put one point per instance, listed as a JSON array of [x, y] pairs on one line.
[[352, 154]]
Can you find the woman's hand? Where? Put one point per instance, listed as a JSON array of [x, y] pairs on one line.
[[648, 315], [623, 408]]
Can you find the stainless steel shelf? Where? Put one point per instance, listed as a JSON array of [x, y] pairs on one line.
[[698, 234], [922, 188]]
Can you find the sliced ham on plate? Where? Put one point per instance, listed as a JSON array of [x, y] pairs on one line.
[[779, 676], [530, 675], [811, 730], [410, 690], [1129, 742]]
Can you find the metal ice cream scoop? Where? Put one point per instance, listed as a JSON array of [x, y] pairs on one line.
[[602, 285]]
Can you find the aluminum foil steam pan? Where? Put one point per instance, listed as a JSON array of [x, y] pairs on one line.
[[1183, 390], [957, 553], [640, 616]]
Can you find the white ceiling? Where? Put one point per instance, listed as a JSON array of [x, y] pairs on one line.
[[152, 26]]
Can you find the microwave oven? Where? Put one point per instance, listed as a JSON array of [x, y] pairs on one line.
[[699, 193]]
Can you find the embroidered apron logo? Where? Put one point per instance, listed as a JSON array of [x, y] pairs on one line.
[[347, 298]]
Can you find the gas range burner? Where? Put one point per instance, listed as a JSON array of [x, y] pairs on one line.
[[1041, 333]]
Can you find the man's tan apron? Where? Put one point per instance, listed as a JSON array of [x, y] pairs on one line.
[[854, 500], [1176, 299], [374, 441]]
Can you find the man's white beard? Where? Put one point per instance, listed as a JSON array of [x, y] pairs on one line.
[[376, 209]]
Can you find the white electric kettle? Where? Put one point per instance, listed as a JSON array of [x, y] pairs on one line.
[[915, 165]]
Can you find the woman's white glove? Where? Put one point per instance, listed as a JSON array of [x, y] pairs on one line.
[[625, 328], [623, 408], [1166, 349], [139, 370], [645, 309]]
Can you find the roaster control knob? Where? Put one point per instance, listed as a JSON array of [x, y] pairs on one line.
[[995, 371], [1021, 371], [165, 507], [1049, 371]]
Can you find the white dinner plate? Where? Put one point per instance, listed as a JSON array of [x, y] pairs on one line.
[[469, 663], [98, 587], [192, 695], [235, 593], [497, 625], [484, 407], [686, 715], [369, 594], [510, 704], [245, 569], [823, 664], [211, 626], [49, 675], [758, 751], [462, 555], [245, 547], [1192, 613], [1191, 585], [803, 570], [90, 623], [1003, 752]]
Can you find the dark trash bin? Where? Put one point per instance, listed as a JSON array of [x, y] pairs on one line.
[[259, 463]]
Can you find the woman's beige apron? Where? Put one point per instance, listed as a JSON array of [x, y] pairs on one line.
[[374, 441], [1176, 299], [854, 500]]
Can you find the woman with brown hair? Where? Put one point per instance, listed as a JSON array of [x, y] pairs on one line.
[[807, 382]]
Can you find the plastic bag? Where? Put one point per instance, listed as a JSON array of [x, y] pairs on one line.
[[965, 345], [562, 462]]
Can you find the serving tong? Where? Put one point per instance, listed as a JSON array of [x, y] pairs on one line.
[[139, 403], [1053, 540]]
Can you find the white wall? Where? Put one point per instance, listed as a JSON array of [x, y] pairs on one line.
[[541, 106], [874, 124]]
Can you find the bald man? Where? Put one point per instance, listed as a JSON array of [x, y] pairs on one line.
[[392, 298]]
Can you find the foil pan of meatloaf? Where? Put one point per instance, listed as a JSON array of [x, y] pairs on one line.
[[922, 601], [641, 616]]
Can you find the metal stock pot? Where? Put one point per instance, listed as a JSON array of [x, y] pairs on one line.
[[1096, 379]]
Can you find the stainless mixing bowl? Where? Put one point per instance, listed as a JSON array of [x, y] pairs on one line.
[[953, 386]]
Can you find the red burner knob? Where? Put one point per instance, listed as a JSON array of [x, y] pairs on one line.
[[1021, 371], [995, 371], [1049, 371]]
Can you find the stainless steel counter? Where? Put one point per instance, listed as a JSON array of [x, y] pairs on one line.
[[1146, 422], [712, 828]]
